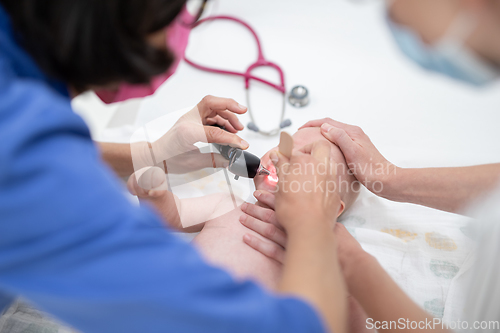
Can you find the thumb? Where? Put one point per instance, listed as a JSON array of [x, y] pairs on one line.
[[151, 178], [321, 151], [280, 161], [132, 186], [338, 137]]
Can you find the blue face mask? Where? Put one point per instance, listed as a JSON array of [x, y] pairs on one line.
[[449, 56]]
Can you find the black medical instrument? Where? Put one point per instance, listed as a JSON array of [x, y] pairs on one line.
[[241, 162]]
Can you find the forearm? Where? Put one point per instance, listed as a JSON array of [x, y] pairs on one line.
[[381, 297], [312, 272], [126, 158], [448, 189], [118, 156]]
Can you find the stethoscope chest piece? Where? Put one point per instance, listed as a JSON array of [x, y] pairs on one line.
[[299, 96]]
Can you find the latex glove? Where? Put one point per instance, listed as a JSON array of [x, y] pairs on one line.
[[364, 160], [176, 149]]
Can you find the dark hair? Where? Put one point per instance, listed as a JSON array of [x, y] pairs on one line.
[[94, 42]]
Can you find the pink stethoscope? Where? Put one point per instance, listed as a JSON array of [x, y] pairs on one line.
[[261, 62]]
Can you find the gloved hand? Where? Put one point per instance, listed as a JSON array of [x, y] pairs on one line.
[[176, 149]]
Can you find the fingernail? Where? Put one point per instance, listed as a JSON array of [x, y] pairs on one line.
[[247, 238], [242, 107], [244, 206], [326, 127], [244, 144], [257, 194], [274, 157], [243, 219]]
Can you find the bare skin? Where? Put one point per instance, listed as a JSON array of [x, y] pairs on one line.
[[311, 271], [222, 238], [366, 280], [176, 147], [221, 243], [448, 189]]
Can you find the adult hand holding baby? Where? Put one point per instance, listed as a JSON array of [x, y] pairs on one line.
[[313, 161], [261, 217], [307, 203], [364, 160], [307, 190], [448, 189]]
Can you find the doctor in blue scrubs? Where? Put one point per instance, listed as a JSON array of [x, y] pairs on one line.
[[72, 244]]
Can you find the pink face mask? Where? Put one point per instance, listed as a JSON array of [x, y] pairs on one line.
[[177, 40]]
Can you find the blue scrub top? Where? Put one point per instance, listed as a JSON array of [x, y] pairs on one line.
[[71, 243]]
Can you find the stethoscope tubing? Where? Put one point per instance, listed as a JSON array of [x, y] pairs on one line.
[[261, 60], [250, 113]]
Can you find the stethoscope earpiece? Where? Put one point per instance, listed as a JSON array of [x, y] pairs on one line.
[[253, 127], [285, 123]]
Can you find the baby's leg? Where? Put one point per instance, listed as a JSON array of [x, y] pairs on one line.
[[221, 243]]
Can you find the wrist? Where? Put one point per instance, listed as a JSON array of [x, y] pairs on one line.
[[303, 222], [391, 183], [167, 146], [304, 226], [141, 155], [356, 267]]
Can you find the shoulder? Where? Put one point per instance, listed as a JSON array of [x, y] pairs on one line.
[[28, 106]]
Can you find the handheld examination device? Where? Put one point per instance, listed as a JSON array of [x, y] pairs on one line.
[[241, 163]]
